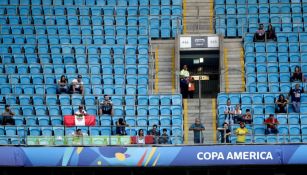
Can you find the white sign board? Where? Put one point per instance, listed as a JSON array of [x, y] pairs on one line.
[[185, 42], [213, 41]]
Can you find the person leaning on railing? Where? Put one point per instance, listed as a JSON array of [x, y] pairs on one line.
[[197, 128]]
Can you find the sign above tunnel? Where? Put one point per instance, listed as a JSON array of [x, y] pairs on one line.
[[199, 42]]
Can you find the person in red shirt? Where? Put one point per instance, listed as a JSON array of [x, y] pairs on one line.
[[271, 123]]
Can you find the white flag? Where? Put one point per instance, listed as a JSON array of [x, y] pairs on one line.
[[79, 120]]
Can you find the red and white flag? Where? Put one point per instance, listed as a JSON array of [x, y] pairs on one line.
[[74, 120]]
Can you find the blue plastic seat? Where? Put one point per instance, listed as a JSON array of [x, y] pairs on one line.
[[43, 120], [294, 129], [35, 131], [285, 87], [66, 110], [246, 99], [283, 67], [258, 119], [257, 109], [284, 77]]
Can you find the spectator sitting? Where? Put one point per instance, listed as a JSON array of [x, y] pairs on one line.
[[164, 137], [106, 107], [281, 103], [297, 75], [78, 137], [8, 116], [78, 133], [80, 111], [120, 127], [77, 85], [225, 133], [154, 132], [271, 123], [229, 112], [271, 33], [296, 97], [241, 133], [247, 117], [260, 34], [141, 138], [237, 114], [62, 85]]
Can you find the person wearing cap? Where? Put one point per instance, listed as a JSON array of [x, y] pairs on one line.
[[77, 85]]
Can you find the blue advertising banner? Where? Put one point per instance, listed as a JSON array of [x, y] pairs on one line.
[[154, 156]]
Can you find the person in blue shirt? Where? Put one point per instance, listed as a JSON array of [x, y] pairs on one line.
[[198, 129], [296, 97]]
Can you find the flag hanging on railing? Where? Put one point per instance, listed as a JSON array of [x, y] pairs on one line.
[[79, 120]]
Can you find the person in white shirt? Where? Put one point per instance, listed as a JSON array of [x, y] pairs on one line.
[[184, 72], [78, 133], [77, 85], [141, 138], [80, 111], [229, 111]]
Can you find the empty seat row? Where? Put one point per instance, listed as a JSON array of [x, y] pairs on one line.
[[88, 89], [73, 69], [274, 67], [91, 2], [73, 20], [80, 59], [107, 21], [260, 9], [91, 11], [87, 39], [74, 49], [282, 57], [271, 77], [252, 98], [109, 30], [275, 47], [76, 99], [253, 20], [256, 1]]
